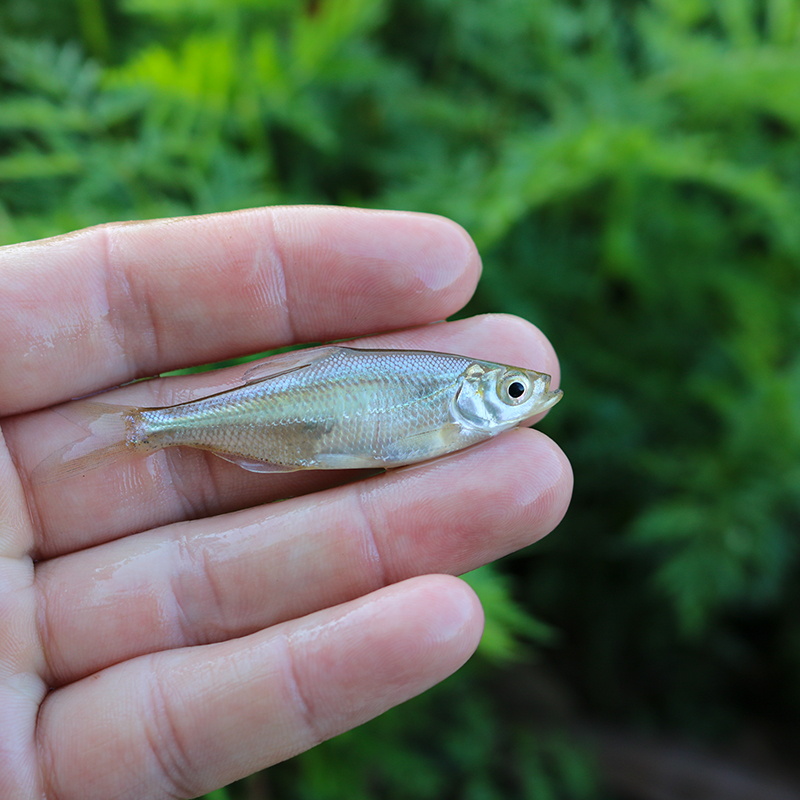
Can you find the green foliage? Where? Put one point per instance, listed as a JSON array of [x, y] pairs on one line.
[[219, 794], [507, 623], [473, 751], [630, 172]]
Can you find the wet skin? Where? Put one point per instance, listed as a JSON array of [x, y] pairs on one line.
[[165, 628]]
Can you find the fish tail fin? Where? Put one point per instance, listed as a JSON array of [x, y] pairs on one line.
[[107, 429]]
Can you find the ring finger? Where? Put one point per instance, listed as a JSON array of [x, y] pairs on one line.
[[213, 579], [173, 485]]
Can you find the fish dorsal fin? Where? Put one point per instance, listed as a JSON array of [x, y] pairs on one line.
[[287, 362]]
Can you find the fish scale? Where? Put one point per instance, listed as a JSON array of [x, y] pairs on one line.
[[343, 405], [325, 408]]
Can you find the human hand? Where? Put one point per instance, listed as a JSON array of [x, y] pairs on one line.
[[165, 629]]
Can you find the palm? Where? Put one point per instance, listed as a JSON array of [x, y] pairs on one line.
[[164, 629]]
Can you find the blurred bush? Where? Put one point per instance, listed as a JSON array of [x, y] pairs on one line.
[[631, 173]]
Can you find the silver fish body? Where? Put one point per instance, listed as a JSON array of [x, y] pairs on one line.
[[334, 408]]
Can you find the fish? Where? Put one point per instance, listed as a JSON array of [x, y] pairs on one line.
[[323, 408]]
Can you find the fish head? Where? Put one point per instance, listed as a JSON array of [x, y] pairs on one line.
[[494, 397]]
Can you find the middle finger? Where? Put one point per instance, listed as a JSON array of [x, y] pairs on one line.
[[178, 483]]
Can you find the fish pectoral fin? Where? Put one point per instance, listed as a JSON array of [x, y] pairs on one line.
[[425, 444], [346, 461], [417, 447], [252, 465], [287, 362]]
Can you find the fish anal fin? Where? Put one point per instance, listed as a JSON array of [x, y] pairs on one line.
[[287, 362], [253, 465]]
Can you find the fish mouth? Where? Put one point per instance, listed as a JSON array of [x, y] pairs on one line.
[[551, 398], [548, 399]]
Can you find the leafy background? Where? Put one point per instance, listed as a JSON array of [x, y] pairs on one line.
[[631, 173]]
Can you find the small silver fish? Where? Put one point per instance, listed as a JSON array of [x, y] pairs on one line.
[[323, 408]]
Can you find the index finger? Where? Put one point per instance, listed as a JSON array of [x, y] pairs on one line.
[[105, 305]]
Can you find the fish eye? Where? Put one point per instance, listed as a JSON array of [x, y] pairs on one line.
[[514, 389]]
